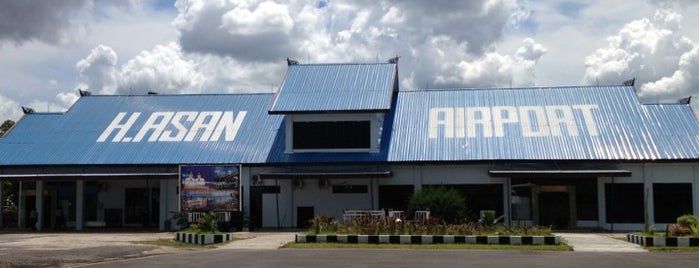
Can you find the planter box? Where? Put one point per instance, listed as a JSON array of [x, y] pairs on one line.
[[203, 239], [653, 241], [430, 239]]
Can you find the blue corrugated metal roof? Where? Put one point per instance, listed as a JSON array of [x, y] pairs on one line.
[[336, 88], [675, 129], [563, 123], [73, 137]]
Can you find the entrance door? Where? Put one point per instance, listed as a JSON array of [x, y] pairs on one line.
[[256, 206], [140, 207], [554, 209], [303, 216]]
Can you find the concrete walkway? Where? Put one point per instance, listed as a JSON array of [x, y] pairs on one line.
[[260, 240], [591, 242]]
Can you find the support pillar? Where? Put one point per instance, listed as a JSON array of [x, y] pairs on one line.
[[164, 214], [79, 204], [39, 205], [21, 208], [2, 205]]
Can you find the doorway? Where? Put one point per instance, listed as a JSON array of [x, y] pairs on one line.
[[555, 206], [303, 216], [554, 209]]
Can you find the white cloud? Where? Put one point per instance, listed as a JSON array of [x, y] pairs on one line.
[[267, 17], [162, 69], [653, 51], [494, 69], [9, 109], [98, 69]]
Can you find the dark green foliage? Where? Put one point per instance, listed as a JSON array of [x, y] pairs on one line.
[[6, 126], [207, 224], [443, 203]]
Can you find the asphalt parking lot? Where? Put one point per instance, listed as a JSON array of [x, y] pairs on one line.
[[67, 249]]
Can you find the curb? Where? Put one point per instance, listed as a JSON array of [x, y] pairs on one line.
[[652, 241], [203, 239], [430, 239]]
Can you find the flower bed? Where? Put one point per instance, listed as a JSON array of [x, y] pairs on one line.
[[430, 239], [658, 241], [203, 239]]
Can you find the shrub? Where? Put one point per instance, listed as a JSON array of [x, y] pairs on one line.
[[443, 203], [207, 224], [689, 222]]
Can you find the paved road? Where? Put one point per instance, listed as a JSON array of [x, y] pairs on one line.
[[407, 258], [261, 250]]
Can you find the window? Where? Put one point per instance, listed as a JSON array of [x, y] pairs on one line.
[[332, 135], [350, 189], [671, 200], [624, 202], [586, 203]]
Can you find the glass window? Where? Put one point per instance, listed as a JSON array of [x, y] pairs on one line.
[[350, 189], [671, 200], [332, 135], [624, 202], [522, 202], [586, 200]]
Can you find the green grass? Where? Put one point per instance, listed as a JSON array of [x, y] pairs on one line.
[[673, 249], [294, 245], [175, 244]]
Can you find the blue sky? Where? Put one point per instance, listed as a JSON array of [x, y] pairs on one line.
[[48, 50]]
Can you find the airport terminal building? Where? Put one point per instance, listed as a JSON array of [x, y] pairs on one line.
[[338, 137]]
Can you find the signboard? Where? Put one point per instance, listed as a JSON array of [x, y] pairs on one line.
[[210, 188]]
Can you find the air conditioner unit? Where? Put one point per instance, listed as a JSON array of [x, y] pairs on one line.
[[297, 183], [323, 183]]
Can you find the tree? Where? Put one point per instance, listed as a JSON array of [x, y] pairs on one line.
[[9, 189], [442, 202], [6, 126]]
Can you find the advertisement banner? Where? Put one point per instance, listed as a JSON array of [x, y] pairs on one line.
[[209, 188]]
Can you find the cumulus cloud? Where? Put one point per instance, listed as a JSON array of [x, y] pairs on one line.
[[47, 21], [163, 69], [653, 51], [98, 69], [494, 69], [426, 34], [9, 109]]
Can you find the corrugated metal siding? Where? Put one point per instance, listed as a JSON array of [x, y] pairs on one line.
[[71, 138], [675, 128], [336, 87], [624, 131]]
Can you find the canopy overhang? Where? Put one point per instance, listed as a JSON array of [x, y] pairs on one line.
[[326, 175], [556, 170]]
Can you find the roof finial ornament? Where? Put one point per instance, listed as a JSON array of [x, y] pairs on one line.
[[290, 62], [686, 100], [27, 110], [84, 93], [394, 60]]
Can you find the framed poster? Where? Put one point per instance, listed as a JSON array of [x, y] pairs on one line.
[[210, 188]]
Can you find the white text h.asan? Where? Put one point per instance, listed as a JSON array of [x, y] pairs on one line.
[[175, 126]]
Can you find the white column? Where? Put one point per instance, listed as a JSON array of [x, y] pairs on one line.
[[164, 214], [79, 204], [648, 205], [40, 205], [246, 182], [2, 204], [695, 193], [601, 203], [21, 208]]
